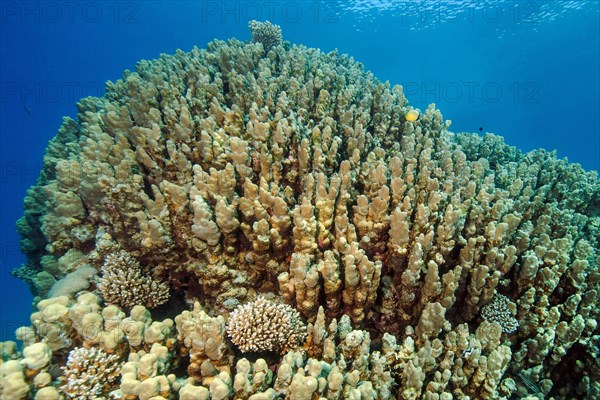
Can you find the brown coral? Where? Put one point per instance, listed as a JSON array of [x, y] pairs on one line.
[[263, 325]]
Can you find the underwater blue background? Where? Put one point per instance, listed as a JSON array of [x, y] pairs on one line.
[[525, 70]]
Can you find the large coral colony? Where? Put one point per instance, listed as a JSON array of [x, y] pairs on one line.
[[299, 237]]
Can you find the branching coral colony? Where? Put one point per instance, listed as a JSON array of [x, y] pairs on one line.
[[424, 264]]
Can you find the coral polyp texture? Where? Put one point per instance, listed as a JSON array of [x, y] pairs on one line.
[[89, 373], [501, 310], [244, 170], [263, 325], [123, 283]]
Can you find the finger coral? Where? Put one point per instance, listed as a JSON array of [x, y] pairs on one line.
[[299, 176], [263, 325]]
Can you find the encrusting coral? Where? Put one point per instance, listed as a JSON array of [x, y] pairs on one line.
[[245, 170]]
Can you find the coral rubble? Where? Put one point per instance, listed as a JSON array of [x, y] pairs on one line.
[[428, 264]]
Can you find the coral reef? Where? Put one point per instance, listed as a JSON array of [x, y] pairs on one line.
[[232, 173], [263, 325]]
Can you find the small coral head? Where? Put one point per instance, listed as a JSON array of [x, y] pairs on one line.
[[263, 325]]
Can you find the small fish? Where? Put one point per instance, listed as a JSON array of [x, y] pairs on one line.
[[481, 129], [531, 385], [28, 110]]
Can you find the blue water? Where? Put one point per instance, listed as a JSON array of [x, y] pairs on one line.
[[526, 70]]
